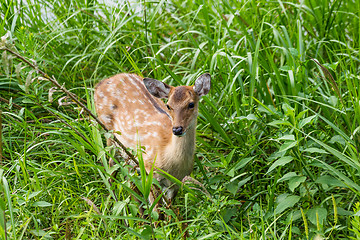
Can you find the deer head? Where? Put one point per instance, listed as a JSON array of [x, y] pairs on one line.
[[182, 104]]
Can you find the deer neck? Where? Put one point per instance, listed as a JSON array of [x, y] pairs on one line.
[[185, 145], [180, 153]]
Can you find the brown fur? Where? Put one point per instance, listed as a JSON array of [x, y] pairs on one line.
[[124, 105]]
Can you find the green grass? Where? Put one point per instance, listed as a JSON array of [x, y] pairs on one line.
[[277, 139]]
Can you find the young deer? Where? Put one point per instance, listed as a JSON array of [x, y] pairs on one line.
[[131, 105]]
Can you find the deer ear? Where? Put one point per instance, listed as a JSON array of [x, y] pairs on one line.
[[202, 84], [156, 88]]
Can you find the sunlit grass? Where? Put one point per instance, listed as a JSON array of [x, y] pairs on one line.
[[277, 137]]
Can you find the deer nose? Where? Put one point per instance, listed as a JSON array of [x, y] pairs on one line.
[[178, 130]]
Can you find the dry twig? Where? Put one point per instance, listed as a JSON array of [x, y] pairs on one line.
[[72, 96]]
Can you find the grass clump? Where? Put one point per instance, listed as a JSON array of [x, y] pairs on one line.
[[277, 139]]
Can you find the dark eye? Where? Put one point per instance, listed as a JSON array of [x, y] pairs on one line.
[[191, 105], [168, 107]]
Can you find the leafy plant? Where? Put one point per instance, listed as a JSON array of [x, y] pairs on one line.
[[277, 138]]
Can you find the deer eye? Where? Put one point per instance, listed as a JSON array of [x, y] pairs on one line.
[[168, 107], [191, 105]]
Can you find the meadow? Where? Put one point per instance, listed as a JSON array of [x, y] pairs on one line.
[[277, 152]]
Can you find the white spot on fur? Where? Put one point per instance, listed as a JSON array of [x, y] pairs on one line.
[[134, 78], [153, 123], [138, 111], [105, 100], [106, 118], [150, 152], [146, 115], [137, 86], [121, 80], [119, 97]]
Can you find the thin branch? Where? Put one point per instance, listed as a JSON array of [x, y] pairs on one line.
[[73, 97], [8, 102]]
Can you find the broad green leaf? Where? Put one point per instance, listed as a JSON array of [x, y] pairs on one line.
[[279, 122], [342, 212], [299, 116], [33, 194], [294, 182], [287, 176], [228, 213], [287, 145], [243, 163], [231, 172], [280, 162], [119, 206], [337, 139], [287, 137], [331, 181], [232, 187], [305, 121], [146, 232], [288, 202], [27, 100], [229, 158], [288, 110], [322, 214], [244, 181]]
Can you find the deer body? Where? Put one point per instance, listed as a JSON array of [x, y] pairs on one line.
[[131, 106]]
